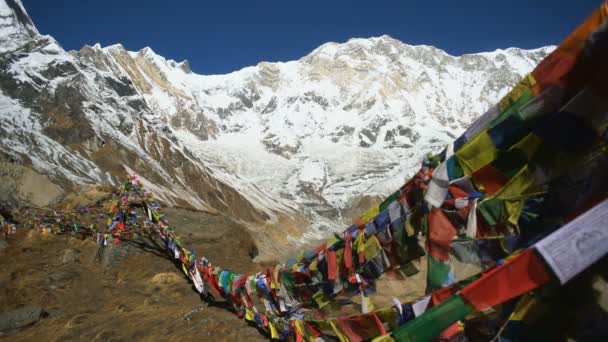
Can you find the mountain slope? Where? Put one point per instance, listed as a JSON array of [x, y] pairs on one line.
[[312, 134], [79, 124], [284, 145]]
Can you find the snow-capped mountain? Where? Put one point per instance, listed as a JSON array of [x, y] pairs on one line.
[[299, 140]]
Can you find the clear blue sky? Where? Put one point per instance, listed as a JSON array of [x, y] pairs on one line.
[[219, 36]]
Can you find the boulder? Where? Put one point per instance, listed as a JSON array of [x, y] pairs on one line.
[[61, 276], [20, 317], [70, 256], [113, 254], [167, 278]]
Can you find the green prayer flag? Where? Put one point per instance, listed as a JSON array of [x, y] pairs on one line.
[[437, 273], [434, 321], [288, 280], [492, 210], [455, 170], [434, 160], [524, 97]]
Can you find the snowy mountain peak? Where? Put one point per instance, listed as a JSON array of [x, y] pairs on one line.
[[149, 53], [297, 141], [16, 27], [113, 47], [185, 66]]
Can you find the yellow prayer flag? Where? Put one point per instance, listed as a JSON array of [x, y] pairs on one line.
[[409, 229], [300, 259], [519, 187], [384, 338], [313, 265], [476, 153], [524, 85], [527, 309], [359, 243], [370, 214], [331, 242], [274, 283], [340, 257], [387, 314], [274, 334], [301, 329], [514, 210], [371, 247], [249, 315]]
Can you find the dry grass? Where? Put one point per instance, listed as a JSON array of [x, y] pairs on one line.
[[144, 298]]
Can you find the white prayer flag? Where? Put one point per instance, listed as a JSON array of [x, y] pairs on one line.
[[438, 186], [578, 244], [472, 221], [420, 306]]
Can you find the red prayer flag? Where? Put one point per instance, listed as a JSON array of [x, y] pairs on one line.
[[552, 69], [558, 67], [332, 267], [292, 327], [491, 179], [322, 247], [348, 253], [442, 294], [238, 283], [457, 192], [441, 233], [361, 327], [313, 330], [517, 276], [450, 333]]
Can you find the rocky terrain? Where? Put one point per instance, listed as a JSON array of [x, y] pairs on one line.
[[53, 289]]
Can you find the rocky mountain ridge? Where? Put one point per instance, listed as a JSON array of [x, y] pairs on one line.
[[286, 145]]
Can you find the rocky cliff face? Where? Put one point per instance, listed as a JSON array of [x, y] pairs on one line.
[[295, 141]]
